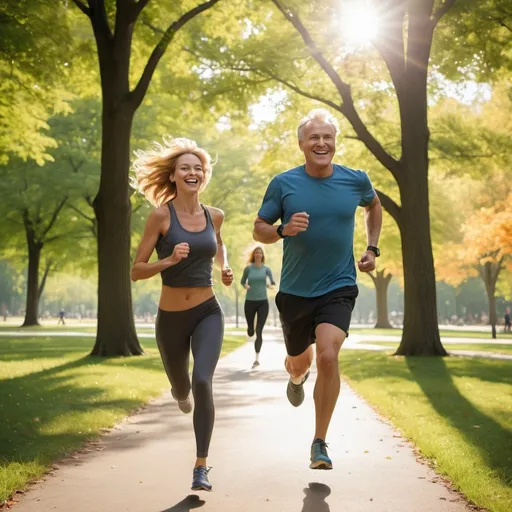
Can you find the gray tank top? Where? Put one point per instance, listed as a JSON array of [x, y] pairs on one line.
[[196, 270]]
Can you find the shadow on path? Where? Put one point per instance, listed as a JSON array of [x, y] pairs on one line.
[[190, 502], [315, 498]]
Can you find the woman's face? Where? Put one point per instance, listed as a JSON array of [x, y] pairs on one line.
[[189, 174], [258, 256]]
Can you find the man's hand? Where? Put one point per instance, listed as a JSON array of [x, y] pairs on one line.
[[367, 262], [298, 223], [227, 276]]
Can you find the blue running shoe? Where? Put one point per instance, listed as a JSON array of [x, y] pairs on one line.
[[319, 457], [200, 480]]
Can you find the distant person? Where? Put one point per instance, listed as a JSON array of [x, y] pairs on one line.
[[62, 314], [508, 323], [187, 237], [4, 312], [255, 279], [312, 207]]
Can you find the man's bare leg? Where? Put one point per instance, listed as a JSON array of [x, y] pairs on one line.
[[329, 340], [298, 366]]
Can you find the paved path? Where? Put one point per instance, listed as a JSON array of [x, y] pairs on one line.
[[259, 454]]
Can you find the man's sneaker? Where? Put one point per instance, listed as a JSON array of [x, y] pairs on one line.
[[184, 405], [200, 480], [255, 364], [319, 457], [295, 392]]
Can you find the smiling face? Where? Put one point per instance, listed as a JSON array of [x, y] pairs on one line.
[[318, 143], [258, 255], [189, 174]]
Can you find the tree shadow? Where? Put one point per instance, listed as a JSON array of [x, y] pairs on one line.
[[316, 494], [32, 405], [190, 502], [436, 381]]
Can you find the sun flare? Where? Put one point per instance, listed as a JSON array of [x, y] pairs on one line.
[[359, 22]]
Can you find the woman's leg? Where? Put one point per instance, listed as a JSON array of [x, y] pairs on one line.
[[173, 340], [206, 347], [262, 318], [250, 313]]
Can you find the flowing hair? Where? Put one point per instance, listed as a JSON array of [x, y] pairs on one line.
[[153, 169]]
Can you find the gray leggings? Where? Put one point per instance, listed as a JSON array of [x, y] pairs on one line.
[[202, 329]]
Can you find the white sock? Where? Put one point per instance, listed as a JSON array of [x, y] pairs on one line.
[[298, 380], [257, 356]]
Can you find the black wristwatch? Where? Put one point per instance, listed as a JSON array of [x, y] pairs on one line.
[[375, 250], [280, 230]]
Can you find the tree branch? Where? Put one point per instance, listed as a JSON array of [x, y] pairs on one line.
[[390, 206], [347, 108], [82, 7], [55, 214], [81, 213], [137, 95], [441, 11], [140, 7]]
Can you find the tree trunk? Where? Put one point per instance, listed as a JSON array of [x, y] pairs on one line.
[[116, 335], [32, 301], [381, 283]]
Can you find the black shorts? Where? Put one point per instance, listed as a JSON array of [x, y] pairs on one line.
[[301, 315]]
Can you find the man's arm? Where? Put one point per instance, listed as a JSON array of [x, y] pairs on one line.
[[264, 232], [373, 221]]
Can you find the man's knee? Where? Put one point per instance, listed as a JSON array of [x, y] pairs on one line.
[[327, 361]]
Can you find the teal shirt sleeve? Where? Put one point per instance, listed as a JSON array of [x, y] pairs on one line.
[[245, 275], [269, 274], [271, 208], [367, 191]]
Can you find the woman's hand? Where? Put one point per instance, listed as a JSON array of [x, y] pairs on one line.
[[180, 251], [247, 287], [227, 276]]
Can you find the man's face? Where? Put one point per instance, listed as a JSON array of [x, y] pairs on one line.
[[319, 143]]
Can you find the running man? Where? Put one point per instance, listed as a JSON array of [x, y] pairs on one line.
[[316, 203]]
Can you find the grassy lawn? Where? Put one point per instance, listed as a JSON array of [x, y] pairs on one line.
[[54, 397], [457, 411], [497, 348], [445, 333]]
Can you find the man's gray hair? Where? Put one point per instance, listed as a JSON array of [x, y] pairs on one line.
[[320, 114]]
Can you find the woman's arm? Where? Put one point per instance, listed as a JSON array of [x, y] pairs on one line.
[[221, 258], [141, 269], [270, 276], [245, 276]]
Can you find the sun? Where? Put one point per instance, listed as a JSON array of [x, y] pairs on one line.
[[359, 23]]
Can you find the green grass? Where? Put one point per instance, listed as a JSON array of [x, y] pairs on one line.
[[497, 348], [457, 411], [54, 397], [445, 333]]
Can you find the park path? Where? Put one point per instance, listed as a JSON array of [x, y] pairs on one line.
[[259, 454]]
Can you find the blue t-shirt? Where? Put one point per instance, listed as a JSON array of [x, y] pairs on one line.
[[320, 259]]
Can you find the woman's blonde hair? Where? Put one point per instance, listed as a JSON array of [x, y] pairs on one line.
[[153, 169], [251, 254]]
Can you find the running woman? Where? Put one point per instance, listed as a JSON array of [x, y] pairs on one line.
[[255, 279], [187, 237]]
